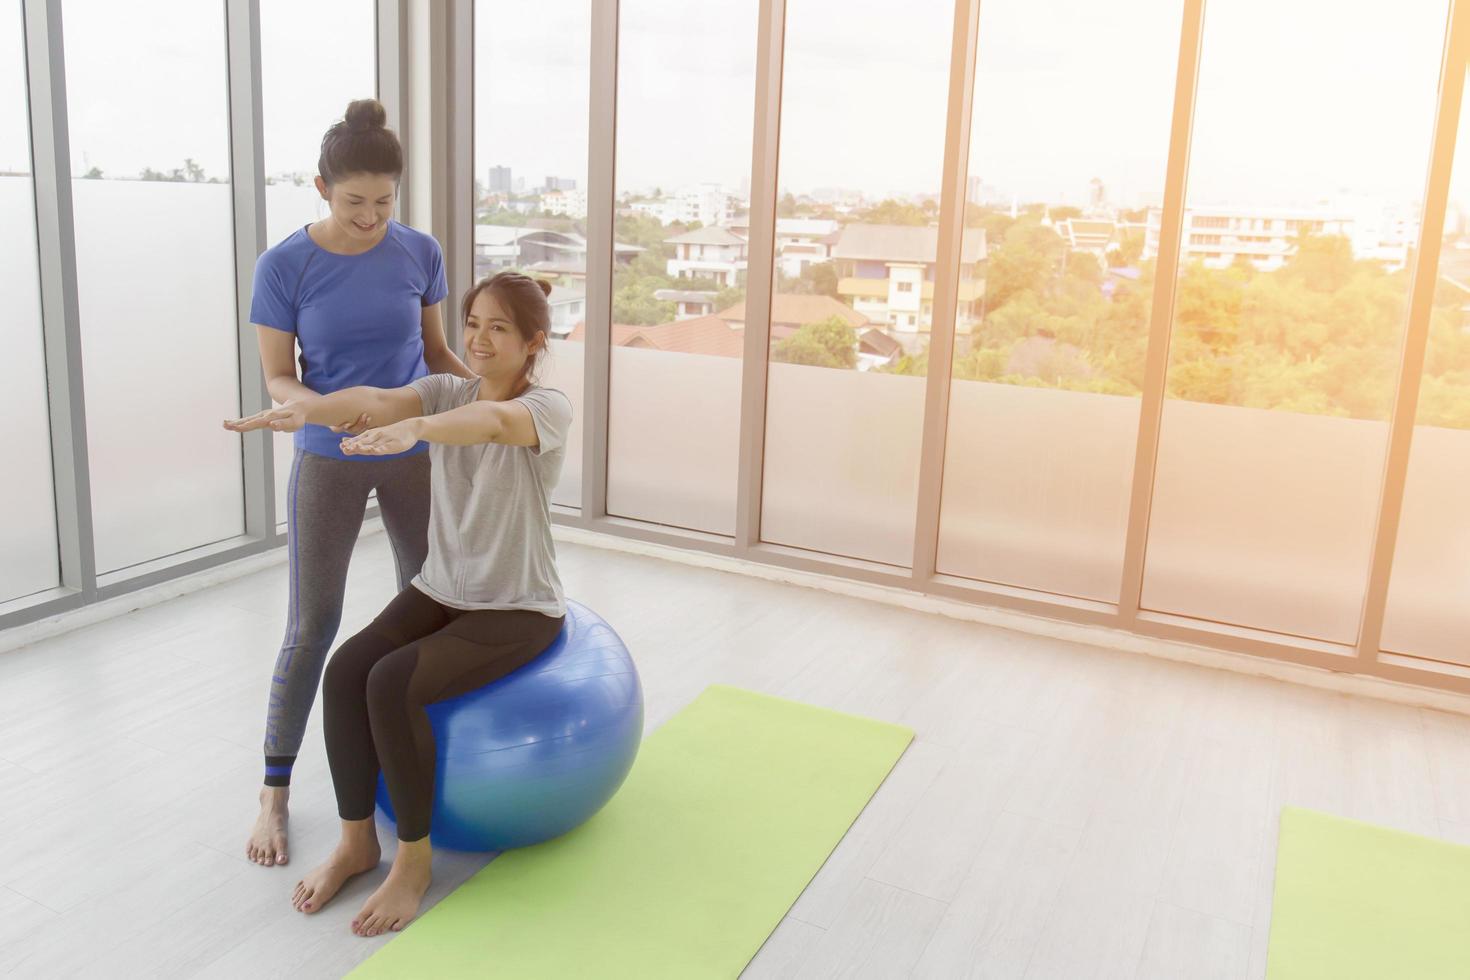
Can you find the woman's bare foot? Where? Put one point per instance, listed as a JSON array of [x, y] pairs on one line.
[[396, 902], [267, 844], [356, 852]]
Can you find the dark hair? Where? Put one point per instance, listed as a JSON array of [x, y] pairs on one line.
[[524, 299], [361, 143]]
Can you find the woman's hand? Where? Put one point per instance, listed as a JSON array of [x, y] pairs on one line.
[[396, 438], [288, 418], [363, 423]]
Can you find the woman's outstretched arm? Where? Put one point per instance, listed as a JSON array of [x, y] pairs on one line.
[[380, 406], [508, 423]]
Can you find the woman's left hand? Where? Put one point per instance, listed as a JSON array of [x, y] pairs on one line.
[[386, 441], [356, 427]]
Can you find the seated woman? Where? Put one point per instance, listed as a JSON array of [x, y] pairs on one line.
[[488, 600]]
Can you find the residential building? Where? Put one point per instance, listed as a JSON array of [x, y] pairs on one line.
[[688, 303], [544, 250], [570, 202], [800, 242], [887, 273], [1264, 236], [713, 252]]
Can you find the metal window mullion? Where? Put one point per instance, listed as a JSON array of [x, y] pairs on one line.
[[459, 241], [760, 271], [1166, 275], [1416, 334], [392, 78], [60, 313], [952, 206], [247, 185], [602, 107]]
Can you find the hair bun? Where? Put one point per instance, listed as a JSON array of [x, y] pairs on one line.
[[366, 114], [545, 286]]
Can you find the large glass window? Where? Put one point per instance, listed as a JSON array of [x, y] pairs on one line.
[[27, 500], [531, 89], [306, 85], [1428, 612], [857, 228], [1055, 292], [1309, 169], [680, 261], [148, 112]]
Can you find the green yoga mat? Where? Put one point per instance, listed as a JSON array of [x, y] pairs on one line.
[[1357, 901], [729, 811]]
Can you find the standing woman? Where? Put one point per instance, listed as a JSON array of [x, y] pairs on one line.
[[358, 292]]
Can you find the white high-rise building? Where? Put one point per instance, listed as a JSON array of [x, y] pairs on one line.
[[1264, 236]]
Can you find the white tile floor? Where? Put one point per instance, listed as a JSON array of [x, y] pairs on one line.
[[1064, 811]]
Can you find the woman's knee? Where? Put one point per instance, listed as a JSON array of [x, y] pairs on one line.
[[388, 682], [347, 672]]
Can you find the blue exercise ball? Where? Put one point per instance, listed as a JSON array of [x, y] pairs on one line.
[[536, 753]]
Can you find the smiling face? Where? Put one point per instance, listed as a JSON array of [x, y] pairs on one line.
[[361, 204], [493, 345]]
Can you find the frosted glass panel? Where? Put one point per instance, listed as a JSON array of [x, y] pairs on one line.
[[1251, 528], [156, 274], [1036, 487], [28, 559], [682, 298], [674, 466], [1054, 293], [842, 464], [1289, 311]]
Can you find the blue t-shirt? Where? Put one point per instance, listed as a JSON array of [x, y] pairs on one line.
[[358, 318]]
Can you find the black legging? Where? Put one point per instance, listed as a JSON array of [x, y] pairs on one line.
[[414, 653]]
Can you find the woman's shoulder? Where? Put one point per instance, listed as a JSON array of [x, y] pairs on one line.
[[290, 252], [544, 393], [411, 238]]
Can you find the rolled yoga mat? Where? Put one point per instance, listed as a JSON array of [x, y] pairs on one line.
[[1359, 902], [731, 808]]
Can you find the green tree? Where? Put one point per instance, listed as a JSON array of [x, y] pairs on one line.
[[891, 212], [634, 303], [1024, 261], [1128, 251], [816, 279], [828, 343]]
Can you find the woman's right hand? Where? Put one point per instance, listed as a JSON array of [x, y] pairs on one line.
[[287, 418]]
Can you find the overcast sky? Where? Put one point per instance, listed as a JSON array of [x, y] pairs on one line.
[[1298, 99]]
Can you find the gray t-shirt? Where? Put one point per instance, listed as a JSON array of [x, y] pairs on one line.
[[490, 541]]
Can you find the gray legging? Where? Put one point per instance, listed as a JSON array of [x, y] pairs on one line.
[[325, 503]]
